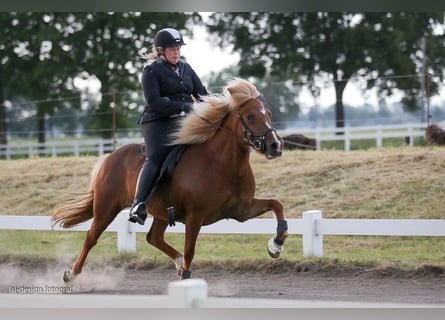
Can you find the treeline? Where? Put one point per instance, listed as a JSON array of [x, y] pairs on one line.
[[44, 55]]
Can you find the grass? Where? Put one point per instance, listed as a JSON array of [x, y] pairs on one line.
[[403, 182]]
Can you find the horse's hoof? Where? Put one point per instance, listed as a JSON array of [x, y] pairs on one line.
[[186, 274], [68, 276], [274, 249], [273, 255]]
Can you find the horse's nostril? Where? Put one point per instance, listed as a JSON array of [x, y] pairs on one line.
[[274, 146]]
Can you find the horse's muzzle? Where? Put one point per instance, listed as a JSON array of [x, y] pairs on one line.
[[273, 146]]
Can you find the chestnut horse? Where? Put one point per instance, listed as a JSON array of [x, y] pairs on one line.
[[213, 179]]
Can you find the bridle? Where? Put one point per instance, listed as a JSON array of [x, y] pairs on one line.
[[257, 141]]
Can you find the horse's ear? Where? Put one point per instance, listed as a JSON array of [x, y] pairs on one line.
[[235, 85]]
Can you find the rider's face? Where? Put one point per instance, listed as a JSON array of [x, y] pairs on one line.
[[173, 54]]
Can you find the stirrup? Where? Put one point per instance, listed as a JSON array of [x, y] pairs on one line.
[[171, 213], [138, 213]]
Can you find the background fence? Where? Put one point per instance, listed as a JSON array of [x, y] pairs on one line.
[[311, 226], [406, 132]]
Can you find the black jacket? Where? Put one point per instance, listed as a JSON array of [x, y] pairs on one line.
[[166, 92]]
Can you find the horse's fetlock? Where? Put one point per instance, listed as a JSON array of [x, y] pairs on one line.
[[282, 228]]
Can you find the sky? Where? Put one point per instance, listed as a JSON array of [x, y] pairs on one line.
[[205, 58]]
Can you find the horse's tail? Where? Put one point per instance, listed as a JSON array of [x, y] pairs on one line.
[[79, 208]]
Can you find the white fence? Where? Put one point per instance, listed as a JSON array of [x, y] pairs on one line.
[[378, 133], [100, 146], [64, 147], [311, 226]]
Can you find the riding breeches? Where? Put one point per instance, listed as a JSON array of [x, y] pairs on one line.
[[156, 137]]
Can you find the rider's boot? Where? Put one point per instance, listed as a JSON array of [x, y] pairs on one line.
[[146, 181]]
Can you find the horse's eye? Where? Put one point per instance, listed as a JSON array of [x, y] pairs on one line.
[[250, 117]]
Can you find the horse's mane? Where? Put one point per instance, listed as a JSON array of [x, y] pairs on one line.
[[208, 115]]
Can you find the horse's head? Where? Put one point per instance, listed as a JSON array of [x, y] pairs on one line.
[[257, 129], [255, 119]]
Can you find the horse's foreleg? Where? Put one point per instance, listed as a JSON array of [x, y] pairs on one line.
[[275, 244], [192, 229], [155, 237], [260, 206]]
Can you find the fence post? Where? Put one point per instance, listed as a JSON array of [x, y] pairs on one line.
[[126, 238], [101, 148], [7, 152], [379, 137], [76, 148], [410, 135], [312, 242], [318, 139], [184, 293], [347, 137]]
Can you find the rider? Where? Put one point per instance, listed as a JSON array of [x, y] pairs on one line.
[[168, 85]]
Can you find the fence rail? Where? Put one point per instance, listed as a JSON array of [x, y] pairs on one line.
[[311, 226], [100, 146], [63, 147], [378, 133]]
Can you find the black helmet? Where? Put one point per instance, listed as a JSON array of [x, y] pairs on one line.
[[168, 37]]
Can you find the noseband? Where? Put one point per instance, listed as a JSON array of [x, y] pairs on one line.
[[257, 141]]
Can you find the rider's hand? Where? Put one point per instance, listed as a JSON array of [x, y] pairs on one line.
[[187, 107]]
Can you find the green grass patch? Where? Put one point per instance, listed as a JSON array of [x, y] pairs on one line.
[[234, 250], [410, 252]]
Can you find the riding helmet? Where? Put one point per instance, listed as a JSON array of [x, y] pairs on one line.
[[168, 37]]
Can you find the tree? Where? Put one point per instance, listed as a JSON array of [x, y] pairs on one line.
[[5, 51], [336, 47], [35, 63], [42, 53], [108, 45]]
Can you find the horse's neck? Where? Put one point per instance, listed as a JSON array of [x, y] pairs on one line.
[[229, 142]]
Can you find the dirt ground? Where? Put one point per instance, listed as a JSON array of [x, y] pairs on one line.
[[272, 280]]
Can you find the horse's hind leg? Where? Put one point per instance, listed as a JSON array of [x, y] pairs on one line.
[[98, 226], [155, 237]]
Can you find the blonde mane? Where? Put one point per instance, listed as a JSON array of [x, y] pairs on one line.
[[208, 115]]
